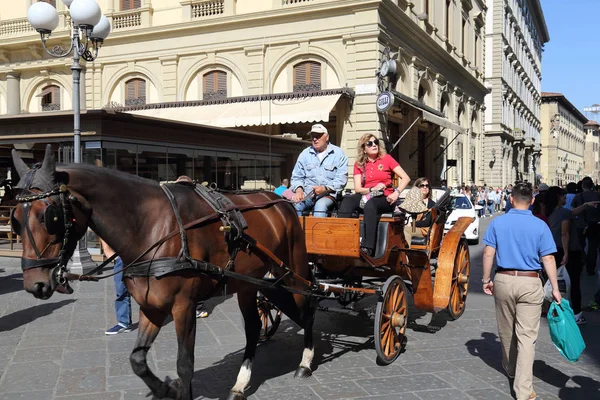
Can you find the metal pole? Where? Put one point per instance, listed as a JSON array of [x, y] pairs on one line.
[[76, 68]]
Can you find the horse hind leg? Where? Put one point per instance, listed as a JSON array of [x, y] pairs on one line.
[[247, 303], [147, 332], [185, 326]]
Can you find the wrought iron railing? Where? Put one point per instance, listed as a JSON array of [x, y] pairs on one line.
[[218, 95], [136, 101], [50, 107], [307, 87], [292, 2]]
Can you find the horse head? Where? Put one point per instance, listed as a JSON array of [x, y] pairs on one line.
[[50, 221]]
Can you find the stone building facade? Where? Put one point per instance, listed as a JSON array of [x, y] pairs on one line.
[[591, 155], [289, 63], [563, 140], [516, 33]]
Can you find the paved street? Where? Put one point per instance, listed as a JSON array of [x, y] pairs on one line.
[[57, 349]]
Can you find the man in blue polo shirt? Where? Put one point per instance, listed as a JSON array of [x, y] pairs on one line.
[[521, 243]]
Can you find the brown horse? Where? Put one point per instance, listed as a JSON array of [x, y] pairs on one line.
[[131, 214]]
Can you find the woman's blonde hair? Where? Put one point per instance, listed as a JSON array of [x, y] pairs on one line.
[[421, 180], [361, 156]]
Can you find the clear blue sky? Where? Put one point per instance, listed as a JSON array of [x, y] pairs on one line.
[[571, 60]]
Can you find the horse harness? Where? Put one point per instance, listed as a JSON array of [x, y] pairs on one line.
[[233, 226], [59, 220]]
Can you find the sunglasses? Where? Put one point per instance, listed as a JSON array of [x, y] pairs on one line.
[[424, 185], [372, 143]]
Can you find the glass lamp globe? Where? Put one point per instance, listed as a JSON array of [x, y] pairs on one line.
[[67, 2], [85, 12], [101, 29], [42, 16]]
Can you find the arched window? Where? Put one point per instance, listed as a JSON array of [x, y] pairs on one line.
[[130, 4], [51, 2], [50, 98], [307, 76], [135, 92], [214, 85]]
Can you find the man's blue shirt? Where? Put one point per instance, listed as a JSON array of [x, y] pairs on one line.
[[332, 172], [520, 240]]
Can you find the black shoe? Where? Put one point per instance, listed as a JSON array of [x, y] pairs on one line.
[[367, 251]]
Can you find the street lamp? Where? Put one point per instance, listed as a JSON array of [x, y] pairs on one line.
[[89, 28]]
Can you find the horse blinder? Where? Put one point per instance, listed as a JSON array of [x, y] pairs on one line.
[[53, 220], [14, 223]]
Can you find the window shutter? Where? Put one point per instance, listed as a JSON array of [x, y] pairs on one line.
[[141, 89], [130, 90], [315, 74], [51, 2], [137, 4], [221, 82], [307, 76], [215, 85], [56, 96], [125, 5]]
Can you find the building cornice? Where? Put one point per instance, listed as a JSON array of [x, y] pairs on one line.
[[560, 98], [540, 20], [416, 38]]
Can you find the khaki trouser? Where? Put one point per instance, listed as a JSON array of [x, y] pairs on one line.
[[518, 308]]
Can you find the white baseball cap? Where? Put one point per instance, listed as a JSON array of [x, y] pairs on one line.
[[317, 128]]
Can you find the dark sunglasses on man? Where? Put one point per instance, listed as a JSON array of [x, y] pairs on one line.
[[371, 143]]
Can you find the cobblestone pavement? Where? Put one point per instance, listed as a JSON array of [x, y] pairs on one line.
[[57, 349]]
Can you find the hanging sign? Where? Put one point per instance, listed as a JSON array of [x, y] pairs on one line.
[[385, 101]]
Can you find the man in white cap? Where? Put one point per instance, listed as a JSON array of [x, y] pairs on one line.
[[320, 173]]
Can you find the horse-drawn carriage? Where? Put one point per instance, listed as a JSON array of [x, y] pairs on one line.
[[435, 268], [181, 242]]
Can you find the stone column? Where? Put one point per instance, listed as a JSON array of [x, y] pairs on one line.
[[13, 80]]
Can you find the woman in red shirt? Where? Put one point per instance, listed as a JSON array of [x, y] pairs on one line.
[[373, 173]]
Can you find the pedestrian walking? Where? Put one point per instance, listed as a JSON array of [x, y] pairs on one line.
[[517, 287], [123, 298], [591, 219]]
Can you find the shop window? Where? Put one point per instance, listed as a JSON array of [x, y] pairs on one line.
[[135, 92], [214, 85], [307, 76], [50, 98], [130, 4]]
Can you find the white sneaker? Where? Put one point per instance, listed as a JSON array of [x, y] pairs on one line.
[[580, 319]]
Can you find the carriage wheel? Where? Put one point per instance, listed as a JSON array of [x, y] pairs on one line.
[[270, 318], [460, 281], [390, 320]]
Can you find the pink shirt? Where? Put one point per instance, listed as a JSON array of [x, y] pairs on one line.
[[379, 171]]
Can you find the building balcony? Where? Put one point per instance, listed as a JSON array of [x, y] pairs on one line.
[[21, 26], [518, 135]]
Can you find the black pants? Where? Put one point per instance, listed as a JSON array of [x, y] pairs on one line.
[[373, 209], [592, 252], [574, 268]]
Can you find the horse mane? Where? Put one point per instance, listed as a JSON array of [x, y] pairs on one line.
[[109, 173]]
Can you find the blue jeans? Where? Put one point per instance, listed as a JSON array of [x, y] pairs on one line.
[[482, 210], [320, 207], [491, 207], [123, 300]]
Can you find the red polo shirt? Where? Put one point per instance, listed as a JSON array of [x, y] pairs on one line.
[[379, 171]]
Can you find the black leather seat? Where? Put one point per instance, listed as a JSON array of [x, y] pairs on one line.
[[419, 241]]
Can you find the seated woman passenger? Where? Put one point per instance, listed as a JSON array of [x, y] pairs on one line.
[[423, 220], [373, 172]]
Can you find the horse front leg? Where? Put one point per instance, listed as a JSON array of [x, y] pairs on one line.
[[147, 331], [184, 317], [308, 307], [247, 303]]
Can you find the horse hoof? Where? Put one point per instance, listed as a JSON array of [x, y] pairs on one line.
[[236, 396], [303, 373]]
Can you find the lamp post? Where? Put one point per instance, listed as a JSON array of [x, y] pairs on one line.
[[89, 28]]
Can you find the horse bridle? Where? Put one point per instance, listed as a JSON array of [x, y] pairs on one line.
[[58, 220]]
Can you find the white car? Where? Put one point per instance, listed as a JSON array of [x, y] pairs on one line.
[[461, 206]]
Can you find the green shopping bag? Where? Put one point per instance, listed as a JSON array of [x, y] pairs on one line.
[[564, 331]]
